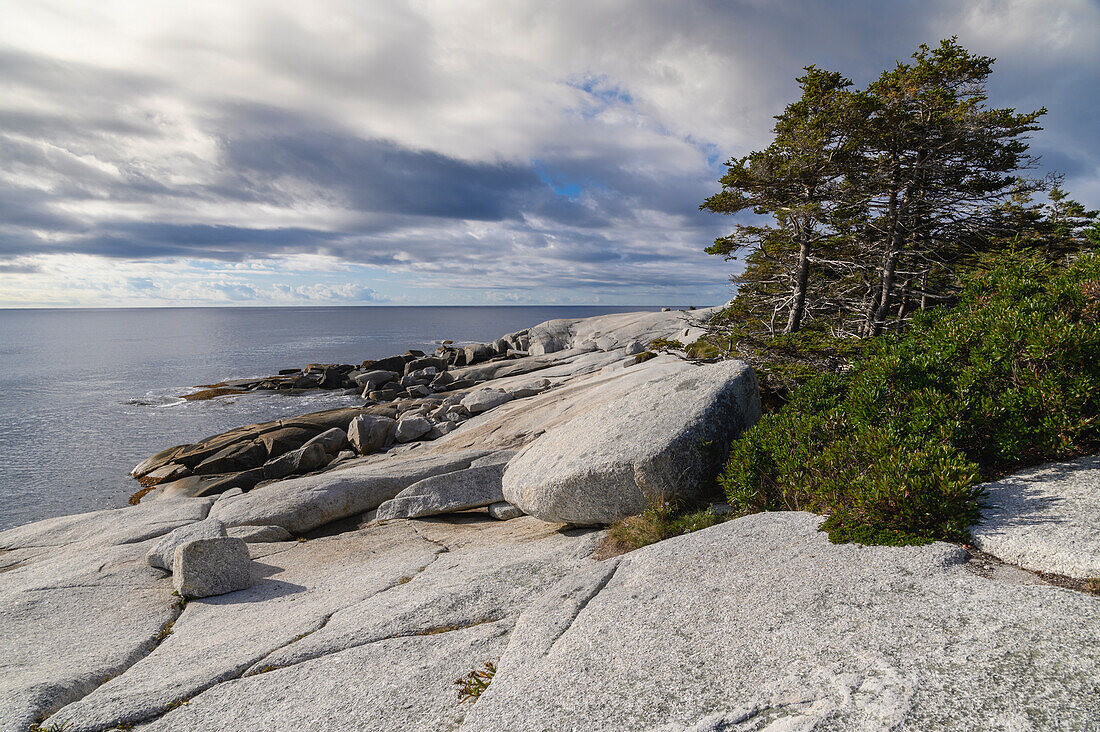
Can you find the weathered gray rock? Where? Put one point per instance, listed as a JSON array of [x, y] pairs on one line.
[[483, 400], [426, 362], [333, 440], [164, 549], [761, 623], [418, 391], [528, 389], [260, 534], [410, 428], [368, 433], [414, 596], [306, 458], [551, 336], [302, 504], [208, 567], [1045, 518], [634, 348], [504, 511], [476, 486], [655, 442]]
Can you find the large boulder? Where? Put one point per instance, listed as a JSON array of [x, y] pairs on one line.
[[208, 567], [163, 552], [371, 380], [476, 486], [551, 336], [333, 441], [761, 623], [665, 439]]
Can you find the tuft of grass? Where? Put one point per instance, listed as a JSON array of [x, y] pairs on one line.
[[662, 519], [55, 727], [643, 357], [1092, 586], [665, 345], [894, 450], [472, 685]]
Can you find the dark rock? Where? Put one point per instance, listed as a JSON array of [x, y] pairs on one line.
[[415, 353], [209, 485], [239, 456], [479, 352], [287, 372], [383, 395], [284, 440], [375, 378], [441, 379], [395, 364], [165, 473], [163, 457], [304, 459], [418, 390], [333, 378], [459, 359], [439, 364], [333, 441]]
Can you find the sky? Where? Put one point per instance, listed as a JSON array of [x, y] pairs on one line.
[[435, 152]]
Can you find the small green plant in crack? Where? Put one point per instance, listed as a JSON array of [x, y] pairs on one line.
[[181, 600], [165, 631], [55, 727], [473, 684], [1092, 586]]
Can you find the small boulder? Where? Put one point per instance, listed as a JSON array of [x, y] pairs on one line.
[[369, 433], [504, 511], [208, 567], [476, 486], [164, 550], [439, 364], [634, 348], [281, 441], [441, 379], [412, 428], [483, 400], [418, 391]]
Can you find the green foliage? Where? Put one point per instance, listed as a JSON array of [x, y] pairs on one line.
[[643, 357], [49, 727], [471, 686], [894, 449], [666, 344]]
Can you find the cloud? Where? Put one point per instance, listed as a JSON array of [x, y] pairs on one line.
[[437, 152]]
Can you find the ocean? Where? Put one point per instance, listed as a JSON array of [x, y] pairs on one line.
[[87, 394]]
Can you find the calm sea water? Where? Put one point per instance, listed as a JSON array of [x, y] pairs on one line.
[[87, 394]]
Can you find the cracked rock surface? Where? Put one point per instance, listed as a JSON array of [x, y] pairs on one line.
[[761, 623], [351, 605]]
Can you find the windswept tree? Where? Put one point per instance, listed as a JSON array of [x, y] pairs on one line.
[[876, 196], [938, 165], [794, 181]]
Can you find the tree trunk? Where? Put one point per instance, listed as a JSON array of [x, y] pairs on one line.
[[798, 307], [886, 291]]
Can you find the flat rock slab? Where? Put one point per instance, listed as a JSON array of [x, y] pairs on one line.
[[761, 623], [1045, 519], [395, 684], [438, 594], [662, 440], [301, 504]]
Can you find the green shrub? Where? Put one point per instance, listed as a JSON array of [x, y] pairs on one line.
[[894, 450], [472, 685]]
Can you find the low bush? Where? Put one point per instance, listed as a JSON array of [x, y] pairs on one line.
[[894, 449], [662, 519]]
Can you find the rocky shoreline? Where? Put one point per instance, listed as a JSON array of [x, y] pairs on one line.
[[341, 570]]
